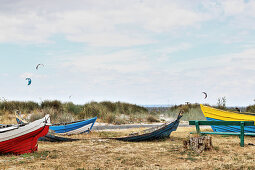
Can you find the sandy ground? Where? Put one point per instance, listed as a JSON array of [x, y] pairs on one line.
[[93, 152]]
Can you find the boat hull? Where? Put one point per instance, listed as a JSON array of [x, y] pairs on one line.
[[213, 114], [23, 139], [75, 127], [163, 132], [70, 128], [53, 138]]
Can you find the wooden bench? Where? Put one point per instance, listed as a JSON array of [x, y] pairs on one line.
[[241, 134]]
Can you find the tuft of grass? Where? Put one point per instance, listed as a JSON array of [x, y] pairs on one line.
[[152, 119], [111, 112], [55, 104], [251, 108], [72, 108], [194, 112], [110, 118], [63, 117], [36, 116], [11, 106]]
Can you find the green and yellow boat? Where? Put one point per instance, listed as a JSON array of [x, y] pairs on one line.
[[213, 114]]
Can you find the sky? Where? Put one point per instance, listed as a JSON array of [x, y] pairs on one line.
[[137, 51]]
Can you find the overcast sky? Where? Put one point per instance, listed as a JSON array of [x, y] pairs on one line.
[[136, 51]]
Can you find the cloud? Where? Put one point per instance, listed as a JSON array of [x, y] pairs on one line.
[[120, 61], [110, 39], [233, 7], [140, 51], [4, 74], [227, 75], [111, 23], [32, 75], [164, 53], [114, 23]]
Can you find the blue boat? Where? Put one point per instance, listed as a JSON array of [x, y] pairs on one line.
[[160, 132], [76, 127], [70, 128]]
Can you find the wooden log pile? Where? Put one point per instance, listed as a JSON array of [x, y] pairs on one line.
[[198, 144]]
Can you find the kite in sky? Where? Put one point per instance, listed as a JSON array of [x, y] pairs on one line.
[[38, 66], [29, 81], [205, 94]]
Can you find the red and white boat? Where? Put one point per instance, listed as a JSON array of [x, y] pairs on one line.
[[20, 139]]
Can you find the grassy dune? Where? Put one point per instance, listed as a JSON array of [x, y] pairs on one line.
[[106, 111], [191, 112], [109, 112]]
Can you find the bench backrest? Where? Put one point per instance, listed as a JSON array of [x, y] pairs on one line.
[[233, 123]]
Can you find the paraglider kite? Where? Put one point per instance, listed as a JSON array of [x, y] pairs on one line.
[[205, 94], [29, 81], [38, 66]]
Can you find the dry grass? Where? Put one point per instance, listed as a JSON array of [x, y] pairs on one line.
[[8, 118], [95, 153]]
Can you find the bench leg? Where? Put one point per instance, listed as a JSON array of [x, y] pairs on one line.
[[197, 127], [242, 135]]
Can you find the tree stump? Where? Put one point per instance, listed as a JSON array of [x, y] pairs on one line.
[[198, 144]]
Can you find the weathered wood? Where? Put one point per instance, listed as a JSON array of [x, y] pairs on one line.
[[198, 144]]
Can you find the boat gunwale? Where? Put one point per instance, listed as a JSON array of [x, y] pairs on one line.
[[229, 111], [67, 123], [173, 123]]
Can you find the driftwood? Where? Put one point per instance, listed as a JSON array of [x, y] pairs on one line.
[[198, 144]]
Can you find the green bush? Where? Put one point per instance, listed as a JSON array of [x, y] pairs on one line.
[[251, 108], [90, 109], [111, 112], [72, 108], [55, 104], [126, 108], [18, 105], [101, 109], [109, 105]]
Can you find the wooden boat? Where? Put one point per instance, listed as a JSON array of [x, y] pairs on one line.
[[54, 138], [20, 139], [70, 128], [76, 127], [159, 132], [222, 115]]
